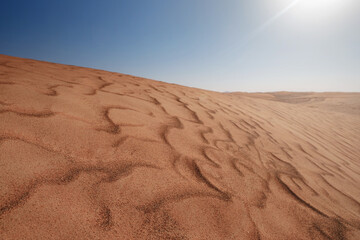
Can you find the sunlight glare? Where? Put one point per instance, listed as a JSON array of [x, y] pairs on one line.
[[315, 9]]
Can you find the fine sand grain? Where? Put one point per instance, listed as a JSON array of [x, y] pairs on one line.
[[90, 154]]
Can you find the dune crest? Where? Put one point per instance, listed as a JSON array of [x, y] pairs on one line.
[[90, 154]]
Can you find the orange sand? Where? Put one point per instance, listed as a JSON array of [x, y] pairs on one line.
[[90, 154]]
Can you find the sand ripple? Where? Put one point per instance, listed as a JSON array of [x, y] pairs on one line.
[[90, 154]]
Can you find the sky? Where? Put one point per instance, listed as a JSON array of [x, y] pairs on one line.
[[221, 45]]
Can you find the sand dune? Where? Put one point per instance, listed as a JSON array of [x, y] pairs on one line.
[[90, 154]]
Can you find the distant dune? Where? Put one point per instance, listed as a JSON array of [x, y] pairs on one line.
[[90, 154]]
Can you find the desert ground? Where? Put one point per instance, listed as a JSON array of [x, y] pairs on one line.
[[91, 154]]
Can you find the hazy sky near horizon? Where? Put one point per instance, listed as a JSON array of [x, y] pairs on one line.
[[223, 45]]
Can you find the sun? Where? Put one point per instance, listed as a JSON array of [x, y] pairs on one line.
[[320, 6], [312, 11]]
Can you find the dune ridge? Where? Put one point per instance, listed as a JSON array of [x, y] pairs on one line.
[[90, 154]]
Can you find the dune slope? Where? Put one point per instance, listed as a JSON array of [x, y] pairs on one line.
[[90, 154]]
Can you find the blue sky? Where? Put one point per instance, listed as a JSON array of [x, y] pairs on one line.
[[223, 45]]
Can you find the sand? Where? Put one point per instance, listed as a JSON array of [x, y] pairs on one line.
[[90, 154]]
